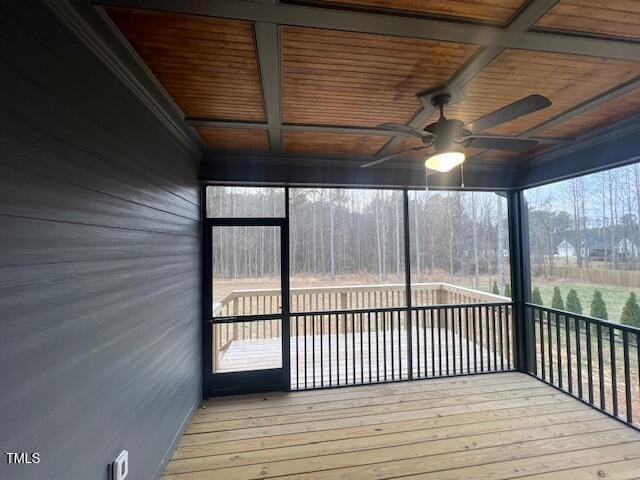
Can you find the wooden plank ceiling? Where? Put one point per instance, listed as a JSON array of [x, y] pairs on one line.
[[496, 11], [349, 78], [567, 80], [210, 67], [616, 18]]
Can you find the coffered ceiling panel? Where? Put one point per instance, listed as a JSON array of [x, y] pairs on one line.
[[617, 18], [316, 143], [345, 78], [567, 80], [208, 65], [235, 139], [600, 116], [496, 11]]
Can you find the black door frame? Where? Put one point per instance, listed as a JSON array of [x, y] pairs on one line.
[[252, 381]]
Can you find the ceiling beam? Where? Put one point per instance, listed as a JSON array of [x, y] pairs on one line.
[[345, 129], [387, 24], [204, 122], [526, 18], [616, 91], [613, 146], [268, 43]]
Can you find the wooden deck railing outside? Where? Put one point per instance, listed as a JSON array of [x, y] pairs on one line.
[[333, 298]]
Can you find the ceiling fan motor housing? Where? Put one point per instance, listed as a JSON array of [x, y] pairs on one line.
[[445, 131]]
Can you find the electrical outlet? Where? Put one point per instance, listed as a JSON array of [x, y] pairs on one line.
[[120, 466]]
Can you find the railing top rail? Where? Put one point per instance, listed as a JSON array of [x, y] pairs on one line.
[[586, 318], [367, 287], [473, 291], [398, 309]]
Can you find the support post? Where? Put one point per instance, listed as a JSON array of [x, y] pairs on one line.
[[407, 280], [520, 279]]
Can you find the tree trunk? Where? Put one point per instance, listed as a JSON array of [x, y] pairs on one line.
[[474, 230]]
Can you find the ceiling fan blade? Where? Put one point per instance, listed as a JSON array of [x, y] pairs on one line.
[[402, 128], [397, 154], [511, 144], [517, 109]]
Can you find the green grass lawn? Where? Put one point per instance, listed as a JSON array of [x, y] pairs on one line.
[[614, 297]]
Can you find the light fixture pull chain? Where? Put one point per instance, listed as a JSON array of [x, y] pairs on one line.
[[462, 175], [426, 179]]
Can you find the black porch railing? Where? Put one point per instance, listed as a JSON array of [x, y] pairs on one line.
[[596, 361], [352, 347]]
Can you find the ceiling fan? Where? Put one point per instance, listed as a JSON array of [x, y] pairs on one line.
[[448, 136]]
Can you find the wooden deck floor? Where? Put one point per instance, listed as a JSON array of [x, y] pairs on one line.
[[496, 426], [351, 360]]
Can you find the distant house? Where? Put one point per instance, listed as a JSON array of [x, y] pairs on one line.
[[565, 249], [595, 248]]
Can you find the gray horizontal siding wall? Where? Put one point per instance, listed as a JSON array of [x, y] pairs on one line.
[[100, 346]]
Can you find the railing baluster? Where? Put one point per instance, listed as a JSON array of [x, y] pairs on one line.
[[558, 351], [424, 340], [475, 339], [460, 338], [446, 339], [297, 352], [542, 365], [321, 351], [361, 351], [614, 383], [384, 344], [353, 345], [589, 361], [500, 338], [489, 352], [306, 367], [480, 318], [453, 340], [466, 325], [567, 328], [627, 376], [600, 366], [578, 327], [550, 345], [439, 342], [638, 359], [398, 318], [337, 349], [433, 343], [377, 348], [494, 336], [369, 343], [346, 349]]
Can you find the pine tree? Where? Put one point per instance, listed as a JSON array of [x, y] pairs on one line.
[[507, 290], [573, 302], [536, 297], [556, 301], [495, 290], [598, 307], [631, 312]]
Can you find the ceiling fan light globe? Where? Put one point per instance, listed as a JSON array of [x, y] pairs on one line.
[[445, 161]]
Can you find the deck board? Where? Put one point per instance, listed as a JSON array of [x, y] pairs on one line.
[[494, 426]]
